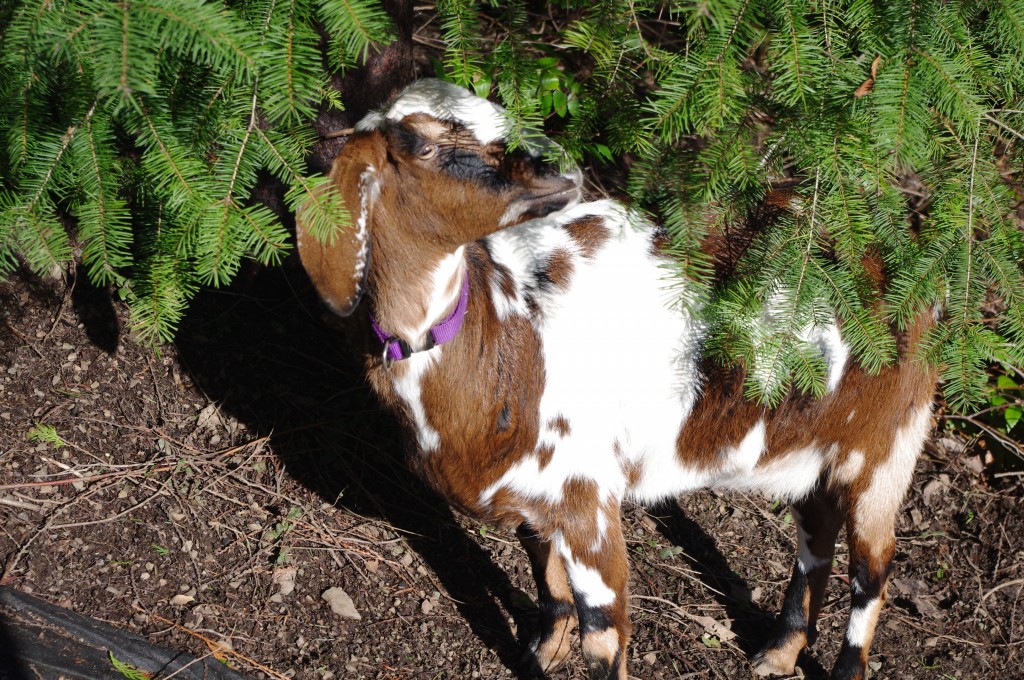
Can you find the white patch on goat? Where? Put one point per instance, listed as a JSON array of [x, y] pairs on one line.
[[824, 337], [833, 350], [369, 191], [586, 581], [850, 468], [599, 375], [444, 101], [504, 249], [849, 418], [443, 290], [408, 382], [789, 476], [862, 622], [743, 458], [877, 506]]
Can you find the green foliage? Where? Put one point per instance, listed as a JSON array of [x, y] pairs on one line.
[[46, 433], [127, 670], [136, 131], [882, 115]]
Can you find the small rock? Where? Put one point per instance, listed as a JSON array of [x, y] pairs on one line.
[[284, 578], [931, 491], [182, 600], [340, 603], [209, 418], [426, 606], [974, 463], [372, 566], [651, 658]]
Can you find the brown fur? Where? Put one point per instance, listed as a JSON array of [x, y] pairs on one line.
[[589, 233]]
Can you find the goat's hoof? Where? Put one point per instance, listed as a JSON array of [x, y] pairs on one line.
[[770, 662], [545, 656]]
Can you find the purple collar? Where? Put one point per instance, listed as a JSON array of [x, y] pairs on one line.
[[397, 349]]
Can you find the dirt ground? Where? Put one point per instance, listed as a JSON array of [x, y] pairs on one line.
[[209, 495]]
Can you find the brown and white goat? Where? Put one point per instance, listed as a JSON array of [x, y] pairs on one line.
[[576, 379]]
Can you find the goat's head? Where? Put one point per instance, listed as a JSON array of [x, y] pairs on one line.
[[428, 175]]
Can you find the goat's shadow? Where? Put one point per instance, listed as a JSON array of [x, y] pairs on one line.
[[752, 624], [264, 354]]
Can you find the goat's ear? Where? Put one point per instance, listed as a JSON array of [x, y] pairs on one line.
[[339, 263]]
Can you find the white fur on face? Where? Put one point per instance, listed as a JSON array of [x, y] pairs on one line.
[[445, 101]]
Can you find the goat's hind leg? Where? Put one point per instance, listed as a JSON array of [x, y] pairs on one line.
[[818, 522], [871, 535], [554, 596]]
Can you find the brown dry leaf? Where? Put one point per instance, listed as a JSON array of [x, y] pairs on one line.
[[869, 84], [222, 651], [712, 626]]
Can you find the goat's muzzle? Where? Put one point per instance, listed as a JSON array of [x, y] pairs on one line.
[[543, 195]]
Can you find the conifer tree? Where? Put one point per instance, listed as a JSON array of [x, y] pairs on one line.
[[137, 129]]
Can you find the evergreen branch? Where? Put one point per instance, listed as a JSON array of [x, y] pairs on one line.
[[875, 347], [164, 148], [124, 48], [208, 33], [462, 56], [102, 220], [355, 26], [913, 296], [771, 372], [213, 272], [273, 246], [992, 119], [969, 235], [952, 84], [44, 182]]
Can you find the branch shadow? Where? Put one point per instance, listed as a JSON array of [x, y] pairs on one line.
[[266, 357], [754, 626]]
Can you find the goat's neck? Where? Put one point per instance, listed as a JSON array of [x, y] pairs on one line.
[[417, 292]]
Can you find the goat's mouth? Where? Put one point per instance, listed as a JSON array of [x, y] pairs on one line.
[[535, 206], [550, 195]]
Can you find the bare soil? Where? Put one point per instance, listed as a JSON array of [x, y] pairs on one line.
[[209, 494]]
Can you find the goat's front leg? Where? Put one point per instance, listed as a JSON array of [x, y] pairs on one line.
[[554, 596], [597, 566]]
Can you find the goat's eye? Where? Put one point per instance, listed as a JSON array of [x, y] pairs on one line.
[[427, 152]]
